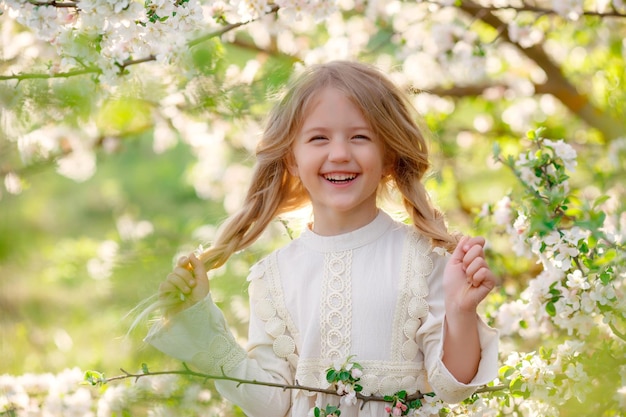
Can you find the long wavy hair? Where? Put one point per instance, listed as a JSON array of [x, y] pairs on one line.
[[274, 191]]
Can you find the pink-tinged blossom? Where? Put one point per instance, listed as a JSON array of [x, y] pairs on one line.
[[252, 9], [80, 165], [564, 152], [356, 373], [518, 234], [502, 211], [348, 398], [558, 251], [432, 405]]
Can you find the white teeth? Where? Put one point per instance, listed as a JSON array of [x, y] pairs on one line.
[[340, 177]]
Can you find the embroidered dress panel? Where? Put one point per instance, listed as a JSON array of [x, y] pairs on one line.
[[375, 293], [336, 305], [412, 307]]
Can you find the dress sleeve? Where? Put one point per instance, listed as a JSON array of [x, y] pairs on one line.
[[200, 336], [430, 337]]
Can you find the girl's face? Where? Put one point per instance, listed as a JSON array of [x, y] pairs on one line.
[[340, 162]]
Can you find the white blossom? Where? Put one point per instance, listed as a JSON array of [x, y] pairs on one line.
[[13, 183], [101, 266], [526, 36], [502, 211], [576, 280], [563, 151], [129, 229], [571, 9]]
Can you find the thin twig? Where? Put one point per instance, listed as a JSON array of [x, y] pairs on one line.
[[40, 76], [617, 332], [53, 3], [528, 8], [188, 372], [476, 7], [129, 62]]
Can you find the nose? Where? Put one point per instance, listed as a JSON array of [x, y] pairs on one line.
[[339, 150]]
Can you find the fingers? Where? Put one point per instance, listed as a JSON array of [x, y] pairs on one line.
[[459, 251], [472, 241], [167, 290], [198, 266], [183, 280], [183, 261], [474, 264], [180, 280]]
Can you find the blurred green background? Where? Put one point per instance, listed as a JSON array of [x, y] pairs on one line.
[[77, 257]]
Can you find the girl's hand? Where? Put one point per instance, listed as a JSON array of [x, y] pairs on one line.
[[185, 285], [467, 278]]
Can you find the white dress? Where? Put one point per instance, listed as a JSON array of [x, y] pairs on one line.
[[375, 293]]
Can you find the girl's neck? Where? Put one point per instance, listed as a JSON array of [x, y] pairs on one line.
[[337, 225]]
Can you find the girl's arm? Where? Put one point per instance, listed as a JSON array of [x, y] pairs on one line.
[[467, 281], [196, 333]]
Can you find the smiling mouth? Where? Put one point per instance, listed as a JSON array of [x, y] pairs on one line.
[[340, 178]]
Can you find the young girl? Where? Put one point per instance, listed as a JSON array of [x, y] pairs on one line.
[[398, 299]]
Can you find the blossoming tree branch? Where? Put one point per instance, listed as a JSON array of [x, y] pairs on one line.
[[343, 381], [83, 82]]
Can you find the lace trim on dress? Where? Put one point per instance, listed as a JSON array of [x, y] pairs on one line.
[[336, 305], [449, 388], [269, 306], [379, 377], [221, 354], [412, 305]]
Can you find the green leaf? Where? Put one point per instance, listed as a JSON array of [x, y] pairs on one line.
[[331, 409], [600, 200], [331, 375], [415, 404], [205, 56], [124, 116], [545, 353], [506, 371], [606, 257], [94, 378], [606, 276], [550, 309], [516, 386]]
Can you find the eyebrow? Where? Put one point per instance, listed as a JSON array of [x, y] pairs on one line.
[[324, 128]]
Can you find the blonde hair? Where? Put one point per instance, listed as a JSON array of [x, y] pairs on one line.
[[273, 190]]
